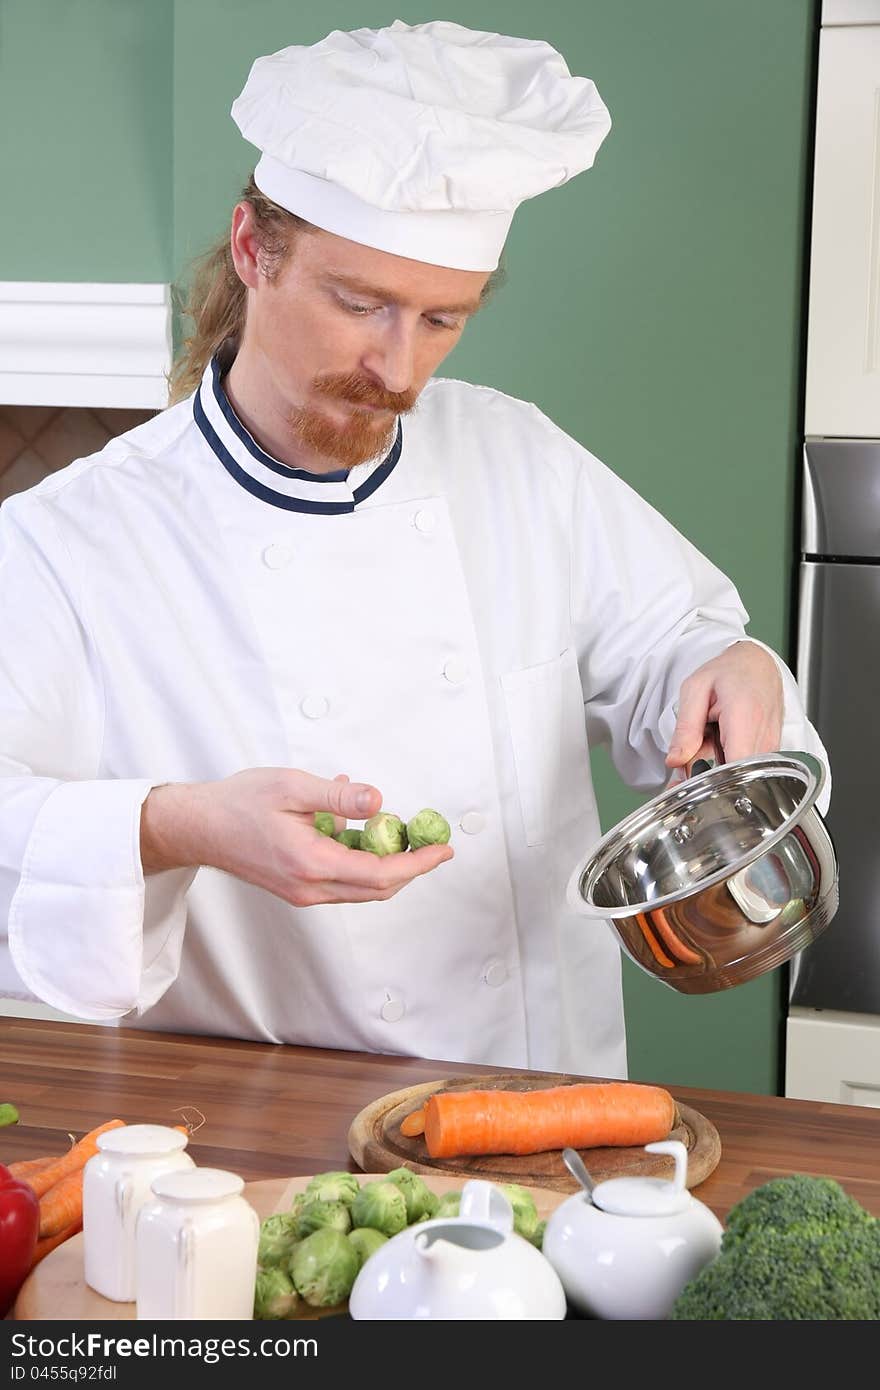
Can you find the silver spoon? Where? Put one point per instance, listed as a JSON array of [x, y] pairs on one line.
[[575, 1165]]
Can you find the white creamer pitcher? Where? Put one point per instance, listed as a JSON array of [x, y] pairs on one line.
[[196, 1248], [471, 1266], [116, 1183]]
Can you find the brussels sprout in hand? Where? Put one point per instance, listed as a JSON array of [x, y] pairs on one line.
[[366, 1241], [350, 838], [427, 827], [277, 1238], [421, 1202], [323, 1267], [275, 1297], [324, 823], [525, 1213], [333, 1187], [316, 1214], [384, 834], [381, 1205]]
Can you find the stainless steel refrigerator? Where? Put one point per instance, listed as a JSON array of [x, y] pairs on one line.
[[832, 1040], [835, 983]]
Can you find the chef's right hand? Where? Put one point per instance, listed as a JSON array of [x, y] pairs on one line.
[[259, 826]]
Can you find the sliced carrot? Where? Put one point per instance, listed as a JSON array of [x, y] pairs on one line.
[[580, 1116], [28, 1167], [62, 1205], [76, 1157], [657, 918], [413, 1124], [51, 1242], [659, 955]]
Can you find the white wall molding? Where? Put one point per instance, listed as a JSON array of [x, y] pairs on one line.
[[84, 344]]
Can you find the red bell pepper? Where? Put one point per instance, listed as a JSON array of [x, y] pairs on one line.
[[19, 1229]]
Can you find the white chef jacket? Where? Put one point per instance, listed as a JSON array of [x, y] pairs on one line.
[[455, 623]]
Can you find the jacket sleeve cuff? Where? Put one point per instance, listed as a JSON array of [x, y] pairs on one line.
[[86, 934]]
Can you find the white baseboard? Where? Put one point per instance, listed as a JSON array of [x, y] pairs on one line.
[[25, 1008]]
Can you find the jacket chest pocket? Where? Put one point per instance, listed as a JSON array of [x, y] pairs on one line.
[[545, 714]]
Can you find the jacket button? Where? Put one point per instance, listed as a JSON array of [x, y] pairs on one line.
[[392, 1010], [455, 670], [495, 973], [424, 521], [314, 706], [275, 557], [472, 822]]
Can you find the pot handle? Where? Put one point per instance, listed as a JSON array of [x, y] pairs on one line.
[[713, 736]]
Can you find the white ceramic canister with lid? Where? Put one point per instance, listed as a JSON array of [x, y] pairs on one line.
[[116, 1183], [196, 1248]]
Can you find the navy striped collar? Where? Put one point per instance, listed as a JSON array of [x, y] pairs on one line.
[[328, 494]]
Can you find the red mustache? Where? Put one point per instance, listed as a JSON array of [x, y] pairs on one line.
[[360, 392]]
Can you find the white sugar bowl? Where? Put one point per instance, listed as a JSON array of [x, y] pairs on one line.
[[628, 1250]]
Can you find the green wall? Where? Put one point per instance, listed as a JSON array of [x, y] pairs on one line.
[[85, 115], [653, 305]]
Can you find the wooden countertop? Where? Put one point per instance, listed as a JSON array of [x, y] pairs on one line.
[[282, 1111]]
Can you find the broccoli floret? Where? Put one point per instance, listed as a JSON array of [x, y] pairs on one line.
[[797, 1248], [798, 1205]]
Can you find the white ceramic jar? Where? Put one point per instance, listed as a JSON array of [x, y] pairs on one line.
[[196, 1248], [116, 1183]]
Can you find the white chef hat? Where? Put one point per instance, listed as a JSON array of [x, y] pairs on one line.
[[421, 139]]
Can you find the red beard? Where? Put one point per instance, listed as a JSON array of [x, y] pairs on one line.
[[365, 433]]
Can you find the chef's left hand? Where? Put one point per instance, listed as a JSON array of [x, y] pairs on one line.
[[741, 692]]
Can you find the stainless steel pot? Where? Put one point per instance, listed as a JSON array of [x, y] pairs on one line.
[[718, 879]]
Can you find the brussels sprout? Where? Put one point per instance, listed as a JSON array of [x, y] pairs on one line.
[[420, 1200], [449, 1205], [278, 1235], [427, 827], [537, 1238], [324, 1266], [350, 838], [8, 1114], [366, 1241], [324, 823], [525, 1213], [381, 1205], [316, 1214], [274, 1295], [333, 1187], [384, 834]]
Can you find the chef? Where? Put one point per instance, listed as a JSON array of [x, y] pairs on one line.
[[329, 579]]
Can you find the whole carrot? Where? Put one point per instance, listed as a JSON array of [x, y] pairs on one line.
[[62, 1205], [52, 1242], [580, 1116], [28, 1167], [76, 1157]]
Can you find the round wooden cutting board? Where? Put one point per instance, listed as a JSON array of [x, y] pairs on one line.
[[56, 1290], [377, 1145]]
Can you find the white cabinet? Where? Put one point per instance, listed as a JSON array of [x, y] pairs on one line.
[[843, 340], [833, 1056]]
